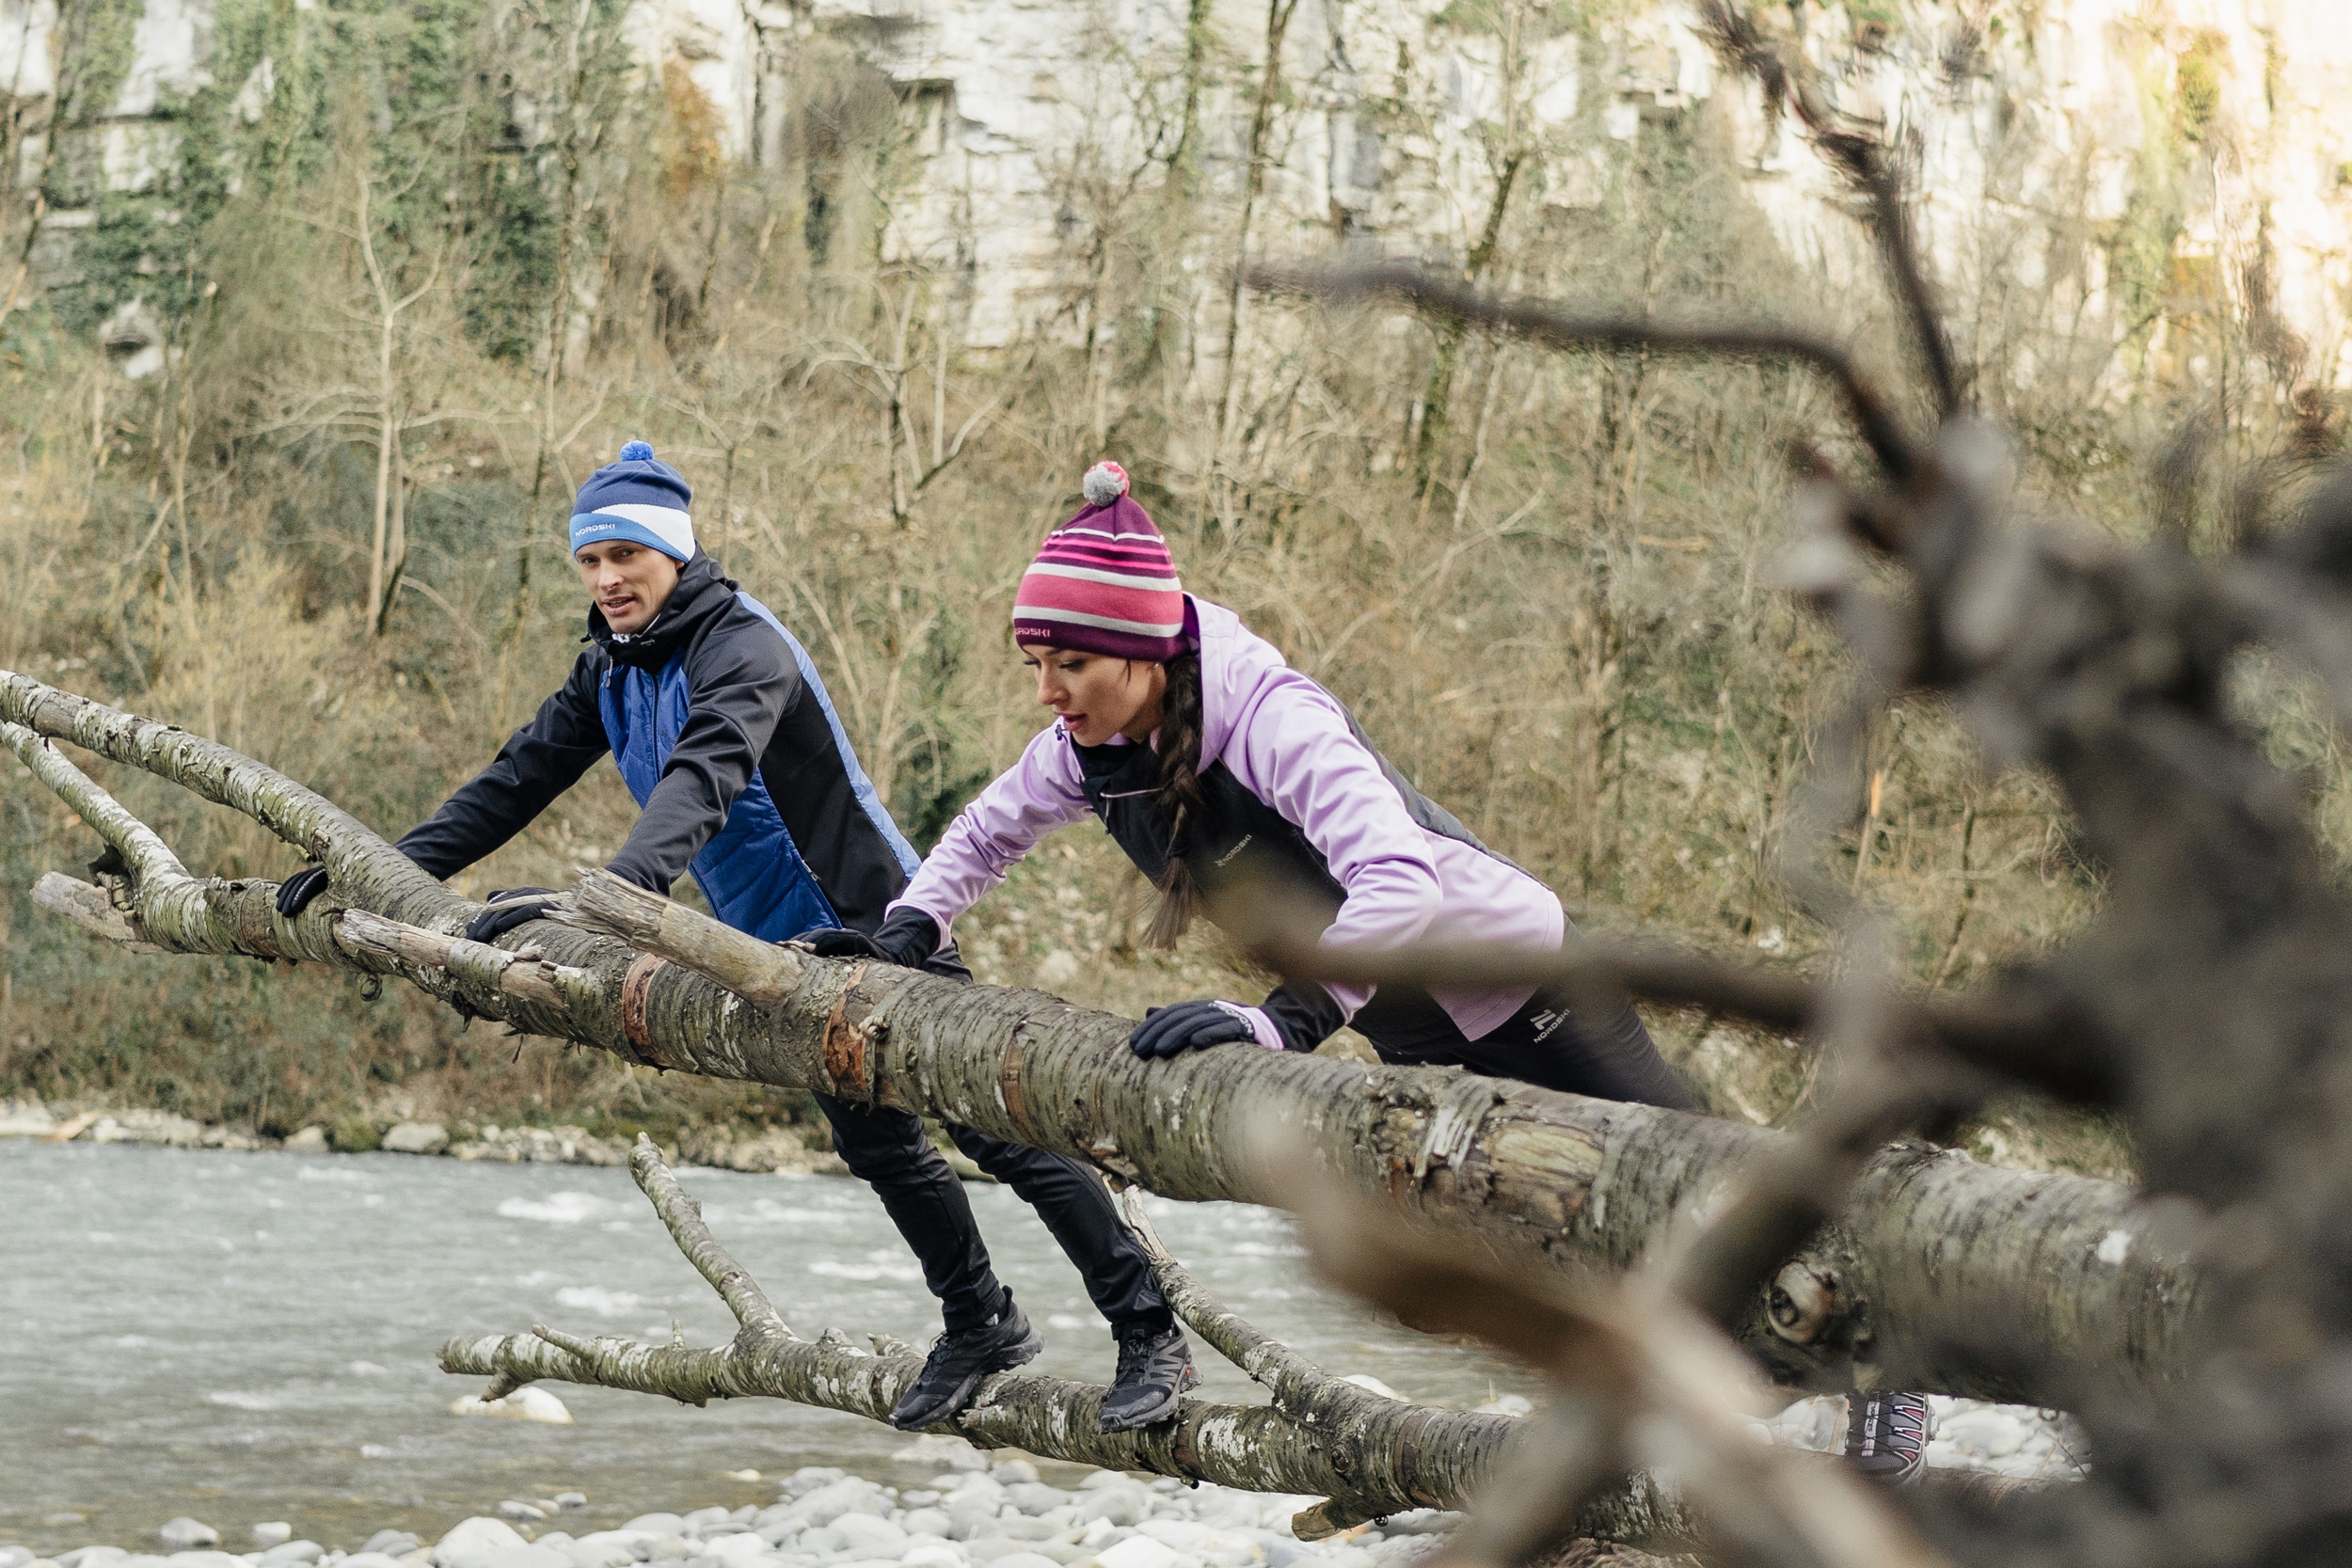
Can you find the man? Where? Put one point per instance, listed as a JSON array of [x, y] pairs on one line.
[[725, 735]]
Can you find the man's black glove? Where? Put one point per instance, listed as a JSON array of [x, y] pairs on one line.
[[509, 907], [296, 891], [908, 938], [1190, 1026]]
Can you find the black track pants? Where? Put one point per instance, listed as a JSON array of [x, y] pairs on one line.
[[889, 1149], [1544, 1043]]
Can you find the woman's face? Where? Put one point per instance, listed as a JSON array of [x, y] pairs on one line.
[[1096, 696]]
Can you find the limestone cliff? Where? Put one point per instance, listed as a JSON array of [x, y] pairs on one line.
[[2137, 167]]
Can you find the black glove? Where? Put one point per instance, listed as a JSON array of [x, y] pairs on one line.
[[908, 938], [1188, 1026], [509, 907], [296, 891]]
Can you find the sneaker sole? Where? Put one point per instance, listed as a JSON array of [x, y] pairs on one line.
[[1017, 1354], [1157, 1413]]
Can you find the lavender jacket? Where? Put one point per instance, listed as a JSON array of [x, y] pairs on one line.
[[1287, 741]]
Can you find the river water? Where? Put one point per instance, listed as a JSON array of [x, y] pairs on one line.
[[251, 1336]]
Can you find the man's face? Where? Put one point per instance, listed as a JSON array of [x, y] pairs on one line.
[[626, 581]]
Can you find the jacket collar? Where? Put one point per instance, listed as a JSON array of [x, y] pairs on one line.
[[1237, 669], [1117, 769], [703, 591]]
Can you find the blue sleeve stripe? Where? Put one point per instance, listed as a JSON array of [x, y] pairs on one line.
[[859, 786]]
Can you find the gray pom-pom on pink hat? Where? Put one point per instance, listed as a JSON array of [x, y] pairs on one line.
[[1104, 483]]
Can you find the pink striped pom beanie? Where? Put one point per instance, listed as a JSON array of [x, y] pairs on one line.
[[1104, 581]]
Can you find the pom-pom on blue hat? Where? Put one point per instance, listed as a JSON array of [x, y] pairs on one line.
[[639, 499]]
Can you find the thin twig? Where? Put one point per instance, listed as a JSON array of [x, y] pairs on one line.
[[683, 1216], [1292, 1379], [1878, 1091], [2021, 1023], [143, 851], [1788, 77]]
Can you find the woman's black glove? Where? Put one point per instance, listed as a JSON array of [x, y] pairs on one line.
[[296, 891], [908, 938], [509, 907], [1190, 1026]]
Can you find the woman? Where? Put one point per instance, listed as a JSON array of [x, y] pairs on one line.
[[1210, 760]]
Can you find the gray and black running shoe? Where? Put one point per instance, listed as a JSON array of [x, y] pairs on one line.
[[1154, 1369], [1887, 1434], [958, 1362]]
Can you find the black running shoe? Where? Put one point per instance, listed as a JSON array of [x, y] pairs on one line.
[[958, 1362], [1154, 1369], [1886, 1435]]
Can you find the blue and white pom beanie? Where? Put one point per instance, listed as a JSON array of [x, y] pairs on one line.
[[638, 498]]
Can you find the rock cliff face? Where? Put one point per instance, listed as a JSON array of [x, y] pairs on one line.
[[2140, 166]]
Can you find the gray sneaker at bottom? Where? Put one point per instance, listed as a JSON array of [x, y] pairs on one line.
[[1154, 1369], [959, 1360], [1886, 1435]]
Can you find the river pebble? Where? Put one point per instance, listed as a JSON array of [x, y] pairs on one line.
[[474, 1539], [530, 1404], [415, 1137], [185, 1532]]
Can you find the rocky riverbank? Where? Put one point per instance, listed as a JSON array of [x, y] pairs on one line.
[[755, 1151], [972, 1515], [975, 1513]]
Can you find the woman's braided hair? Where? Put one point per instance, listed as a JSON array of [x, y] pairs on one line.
[[1178, 798]]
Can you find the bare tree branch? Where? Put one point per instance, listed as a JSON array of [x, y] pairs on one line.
[[1368, 1455], [142, 851], [1296, 1384], [1540, 321], [89, 908], [2024, 1023]]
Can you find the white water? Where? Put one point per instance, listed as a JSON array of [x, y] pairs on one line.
[[251, 1336]]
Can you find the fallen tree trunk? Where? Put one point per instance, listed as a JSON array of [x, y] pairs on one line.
[[2055, 1263]]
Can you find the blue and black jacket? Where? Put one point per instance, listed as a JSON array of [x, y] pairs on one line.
[[724, 733]]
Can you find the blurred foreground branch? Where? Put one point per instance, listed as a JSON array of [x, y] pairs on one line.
[[2209, 1004]]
